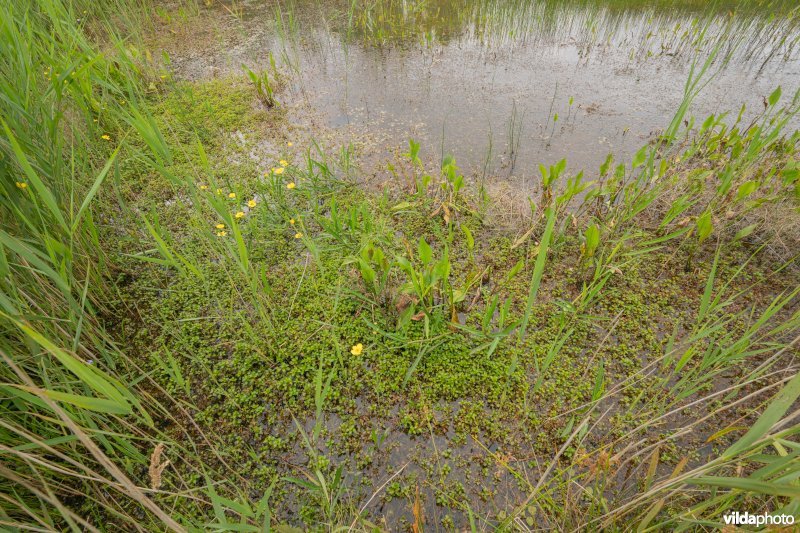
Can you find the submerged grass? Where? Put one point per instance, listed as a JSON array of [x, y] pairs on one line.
[[194, 339]]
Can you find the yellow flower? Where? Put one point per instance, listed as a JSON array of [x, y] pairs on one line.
[[278, 170], [284, 163], [203, 187], [221, 233], [298, 235], [291, 221], [232, 195], [289, 144], [106, 137], [21, 184], [163, 76], [290, 185], [251, 203], [219, 191], [357, 349], [240, 214], [220, 226]]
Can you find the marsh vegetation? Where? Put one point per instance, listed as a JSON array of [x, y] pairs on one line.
[[393, 265]]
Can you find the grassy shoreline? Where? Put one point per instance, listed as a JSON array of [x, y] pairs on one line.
[[470, 379]]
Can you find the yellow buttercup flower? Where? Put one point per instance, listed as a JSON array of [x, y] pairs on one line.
[[232, 195], [357, 349], [21, 184], [289, 144], [291, 221], [221, 233], [283, 163], [278, 170], [290, 185], [240, 214], [251, 203], [203, 187], [298, 235], [220, 226], [106, 137]]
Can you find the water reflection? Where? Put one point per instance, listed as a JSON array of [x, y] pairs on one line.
[[504, 85]]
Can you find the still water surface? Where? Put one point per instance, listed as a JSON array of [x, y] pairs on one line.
[[506, 85]]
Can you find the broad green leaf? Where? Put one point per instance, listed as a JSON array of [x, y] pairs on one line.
[[639, 158], [704, 226], [775, 96], [367, 272], [402, 206], [744, 232], [425, 252], [515, 269], [592, 240], [746, 189], [468, 236]]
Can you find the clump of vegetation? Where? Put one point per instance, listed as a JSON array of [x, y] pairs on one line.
[[196, 339]]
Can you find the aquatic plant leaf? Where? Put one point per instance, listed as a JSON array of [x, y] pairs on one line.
[[592, 240], [468, 236], [425, 252], [774, 97], [704, 226], [744, 232], [639, 158], [746, 189]]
